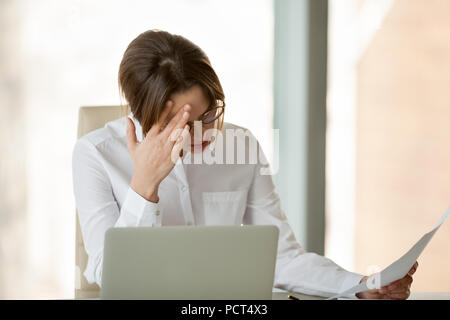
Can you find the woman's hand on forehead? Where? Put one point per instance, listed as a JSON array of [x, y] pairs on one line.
[[158, 152]]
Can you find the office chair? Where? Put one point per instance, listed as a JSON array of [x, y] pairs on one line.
[[89, 119]]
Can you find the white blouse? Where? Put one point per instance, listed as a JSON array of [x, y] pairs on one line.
[[192, 194]]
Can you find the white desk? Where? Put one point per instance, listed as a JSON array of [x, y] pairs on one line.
[[283, 295], [280, 295]]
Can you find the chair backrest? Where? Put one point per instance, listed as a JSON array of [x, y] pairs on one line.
[[89, 119]]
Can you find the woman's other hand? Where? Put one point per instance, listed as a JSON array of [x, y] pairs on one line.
[[398, 290]]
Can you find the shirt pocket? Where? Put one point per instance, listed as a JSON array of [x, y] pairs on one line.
[[224, 208]]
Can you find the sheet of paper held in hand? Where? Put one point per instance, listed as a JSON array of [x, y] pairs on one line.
[[399, 268]]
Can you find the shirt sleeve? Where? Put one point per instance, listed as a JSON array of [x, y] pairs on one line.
[[296, 270], [98, 209]]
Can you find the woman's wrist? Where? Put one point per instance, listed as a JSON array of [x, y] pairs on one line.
[[148, 192], [360, 295]]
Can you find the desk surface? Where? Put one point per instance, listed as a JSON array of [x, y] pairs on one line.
[[283, 295], [414, 296]]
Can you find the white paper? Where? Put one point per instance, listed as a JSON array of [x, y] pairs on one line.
[[399, 268]]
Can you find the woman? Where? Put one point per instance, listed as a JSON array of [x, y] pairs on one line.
[[138, 170]]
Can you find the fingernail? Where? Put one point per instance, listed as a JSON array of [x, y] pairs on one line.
[[185, 115], [187, 107]]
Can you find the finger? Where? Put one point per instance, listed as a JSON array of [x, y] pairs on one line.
[[413, 269], [175, 135], [399, 296], [157, 127], [182, 138], [403, 282], [131, 136], [376, 296], [179, 144], [383, 290], [178, 121], [393, 285], [398, 290]]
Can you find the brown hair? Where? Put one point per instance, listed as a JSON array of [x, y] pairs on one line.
[[157, 64]]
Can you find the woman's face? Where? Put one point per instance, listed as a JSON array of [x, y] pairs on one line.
[[199, 103]]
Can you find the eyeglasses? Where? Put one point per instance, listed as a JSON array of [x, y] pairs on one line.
[[210, 115]]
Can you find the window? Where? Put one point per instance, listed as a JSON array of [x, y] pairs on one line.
[[388, 155]]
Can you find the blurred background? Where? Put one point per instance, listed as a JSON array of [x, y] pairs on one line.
[[357, 89]]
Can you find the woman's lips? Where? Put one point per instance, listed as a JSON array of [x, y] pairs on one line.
[[203, 145]]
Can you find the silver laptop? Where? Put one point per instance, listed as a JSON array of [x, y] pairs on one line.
[[189, 263]]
